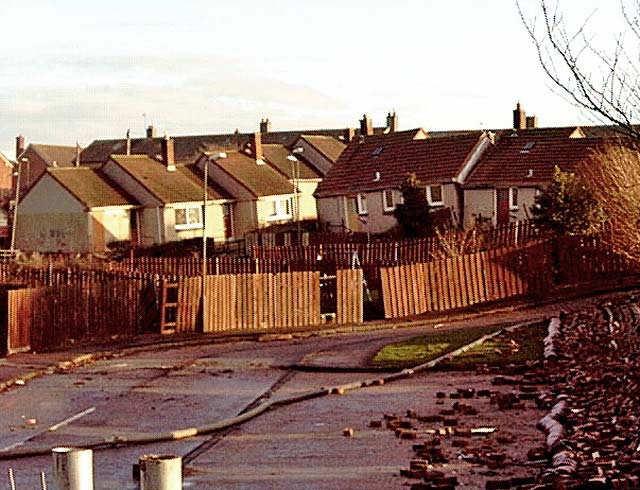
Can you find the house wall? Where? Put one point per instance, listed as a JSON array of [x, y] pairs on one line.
[[6, 177], [308, 209], [114, 224], [479, 204], [264, 209], [331, 212], [51, 220], [215, 223], [482, 202], [245, 217]]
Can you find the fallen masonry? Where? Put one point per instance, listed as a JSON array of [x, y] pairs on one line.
[[587, 391]]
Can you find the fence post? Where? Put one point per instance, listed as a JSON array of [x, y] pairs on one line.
[[160, 472], [73, 468]]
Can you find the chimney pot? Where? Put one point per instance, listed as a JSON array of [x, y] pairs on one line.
[[19, 146], [168, 153], [265, 125], [151, 131], [366, 126]]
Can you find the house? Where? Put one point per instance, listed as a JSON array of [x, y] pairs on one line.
[[34, 160], [171, 198], [503, 185], [6, 177], [362, 189], [263, 195], [73, 209]]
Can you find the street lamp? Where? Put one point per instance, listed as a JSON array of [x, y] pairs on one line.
[[205, 181], [15, 204], [295, 176]]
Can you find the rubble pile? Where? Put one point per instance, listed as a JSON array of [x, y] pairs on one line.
[[457, 439], [593, 426]]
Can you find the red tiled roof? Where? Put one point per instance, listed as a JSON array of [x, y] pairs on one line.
[[433, 160], [526, 161]]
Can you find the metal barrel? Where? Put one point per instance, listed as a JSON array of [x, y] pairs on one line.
[[72, 468], [160, 472]]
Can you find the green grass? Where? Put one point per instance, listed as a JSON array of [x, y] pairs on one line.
[[519, 346]]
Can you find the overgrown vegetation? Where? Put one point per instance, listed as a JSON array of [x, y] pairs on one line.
[[568, 207]]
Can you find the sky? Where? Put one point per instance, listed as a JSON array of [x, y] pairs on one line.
[[78, 70]]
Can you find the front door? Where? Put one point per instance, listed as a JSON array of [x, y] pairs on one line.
[[502, 206], [227, 212]]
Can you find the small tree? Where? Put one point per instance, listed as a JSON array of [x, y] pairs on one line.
[[568, 207], [413, 213]]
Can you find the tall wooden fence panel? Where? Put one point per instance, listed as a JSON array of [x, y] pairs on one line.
[[18, 320], [57, 314], [349, 296], [250, 301], [465, 280]]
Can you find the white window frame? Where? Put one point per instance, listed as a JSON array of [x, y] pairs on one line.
[[281, 209], [190, 224], [386, 205], [430, 199], [513, 203], [361, 204]]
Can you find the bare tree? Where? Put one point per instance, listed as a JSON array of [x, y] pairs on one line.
[[613, 177], [602, 80]]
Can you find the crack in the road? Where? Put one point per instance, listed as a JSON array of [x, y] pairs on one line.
[[216, 438]]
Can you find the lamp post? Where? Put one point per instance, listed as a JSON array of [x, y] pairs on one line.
[[205, 198], [295, 176], [14, 221]]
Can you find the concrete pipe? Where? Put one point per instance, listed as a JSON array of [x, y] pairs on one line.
[[160, 472], [72, 468]]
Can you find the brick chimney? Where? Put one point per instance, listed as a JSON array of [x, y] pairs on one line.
[[366, 126], [19, 146], [348, 135], [392, 122], [256, 146], [168, 153], [265, 125], [532, 122], [519, 118], [151, 131]]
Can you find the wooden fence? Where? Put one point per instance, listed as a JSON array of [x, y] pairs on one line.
[[466, 280], [266, 301], [52, 316]]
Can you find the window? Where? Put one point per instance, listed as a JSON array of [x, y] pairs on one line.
[[281, 209], [434, 195], [361, 204], [188, 217], [388, 200], [513, 198]]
